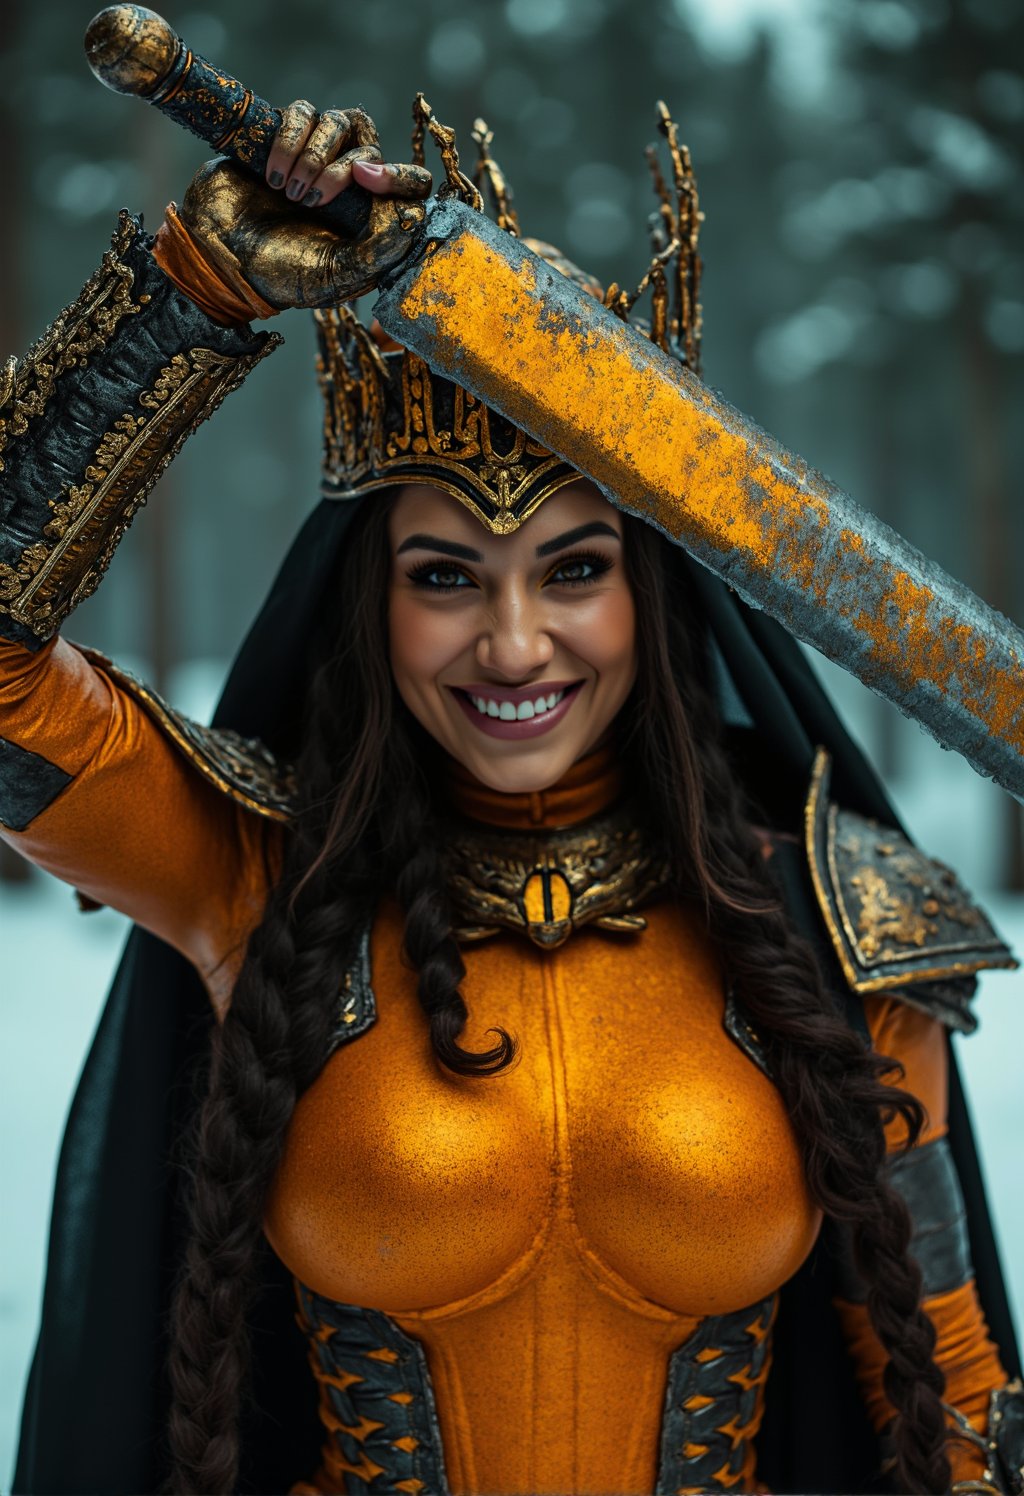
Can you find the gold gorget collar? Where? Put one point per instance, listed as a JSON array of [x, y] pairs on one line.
[[547, 884], [520, 872]]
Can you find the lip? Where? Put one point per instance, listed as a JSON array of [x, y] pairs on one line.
[[516, 694], [535, 727]]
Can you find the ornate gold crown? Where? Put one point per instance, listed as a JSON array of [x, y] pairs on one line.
[[389, 420]]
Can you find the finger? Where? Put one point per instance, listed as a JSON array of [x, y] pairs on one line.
[[364, 131], [338, 175], [393, 178], [329, 134], [297, 123]]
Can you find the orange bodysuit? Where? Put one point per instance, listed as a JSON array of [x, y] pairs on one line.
[[549, 1236]]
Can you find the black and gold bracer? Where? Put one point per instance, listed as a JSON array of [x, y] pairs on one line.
[[90, 418]]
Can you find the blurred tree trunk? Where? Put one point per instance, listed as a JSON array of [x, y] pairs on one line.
[[13, 869]]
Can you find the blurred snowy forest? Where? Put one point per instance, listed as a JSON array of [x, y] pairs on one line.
[[860, 166]]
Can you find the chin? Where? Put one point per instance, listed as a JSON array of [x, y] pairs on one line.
[[521, 773]]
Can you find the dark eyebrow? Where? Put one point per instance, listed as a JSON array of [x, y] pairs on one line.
[[446, 547], [582, 532], [466, 553]]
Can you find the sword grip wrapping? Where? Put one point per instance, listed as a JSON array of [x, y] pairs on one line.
[[133, 50]]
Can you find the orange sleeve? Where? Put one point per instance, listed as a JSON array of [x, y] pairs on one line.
[[964, 1351], [132, 825], [919, 1043]]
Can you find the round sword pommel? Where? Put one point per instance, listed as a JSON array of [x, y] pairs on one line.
[[131, 49]]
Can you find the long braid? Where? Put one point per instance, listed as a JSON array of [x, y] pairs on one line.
[[432, 949], [270, 1046], [274, 1038], [836, 1101], [252, 1094], [367, 826], [831, 1084]]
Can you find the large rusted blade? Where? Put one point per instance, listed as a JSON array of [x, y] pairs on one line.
[[479, 307]]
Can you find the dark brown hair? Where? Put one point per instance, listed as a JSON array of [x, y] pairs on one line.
[[366, 826]]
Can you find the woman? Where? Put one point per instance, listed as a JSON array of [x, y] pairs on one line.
[[522, 1066]]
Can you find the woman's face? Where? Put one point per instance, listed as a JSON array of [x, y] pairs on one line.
[[515, 652]]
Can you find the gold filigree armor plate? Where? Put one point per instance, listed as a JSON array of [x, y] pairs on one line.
[[897, 918], [548, 884], [241, 768]]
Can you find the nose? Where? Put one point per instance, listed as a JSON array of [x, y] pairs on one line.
[[514, 641]]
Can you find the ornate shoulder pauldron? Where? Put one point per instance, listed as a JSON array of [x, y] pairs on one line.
[[241, 768], [899, 921]]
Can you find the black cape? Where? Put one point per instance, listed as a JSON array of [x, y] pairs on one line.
[[96, 1398]]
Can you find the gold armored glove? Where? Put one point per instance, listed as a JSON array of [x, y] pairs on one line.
[[269, 241]]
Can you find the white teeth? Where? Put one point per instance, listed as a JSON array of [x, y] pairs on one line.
[[508, 711]]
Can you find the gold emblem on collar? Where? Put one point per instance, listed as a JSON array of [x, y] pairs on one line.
[[548, 884]]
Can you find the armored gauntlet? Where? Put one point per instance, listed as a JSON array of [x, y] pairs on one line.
[[1002, 1446], [89, 420]]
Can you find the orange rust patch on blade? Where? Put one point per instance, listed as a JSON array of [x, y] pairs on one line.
[[613, 404], [673, 453], [917, 643], [618, 408]]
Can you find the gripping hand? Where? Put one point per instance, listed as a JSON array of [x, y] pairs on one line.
[[269, 235]]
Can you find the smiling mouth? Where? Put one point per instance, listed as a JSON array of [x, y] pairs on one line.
[[511, 711], [520, 711]]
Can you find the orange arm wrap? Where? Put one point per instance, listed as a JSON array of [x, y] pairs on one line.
[[968, 1358], [182, 260], [963, 1350]]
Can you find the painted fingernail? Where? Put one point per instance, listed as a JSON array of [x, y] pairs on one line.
[[371, 169], [312, 197], [295, 189], [276, 179]]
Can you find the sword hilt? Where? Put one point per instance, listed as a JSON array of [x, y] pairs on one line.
[[132, 50]]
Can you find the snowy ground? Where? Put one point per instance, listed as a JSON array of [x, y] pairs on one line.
[[56, 967]]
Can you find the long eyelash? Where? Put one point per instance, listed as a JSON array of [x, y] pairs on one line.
[[419, 573], [596, 559]]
